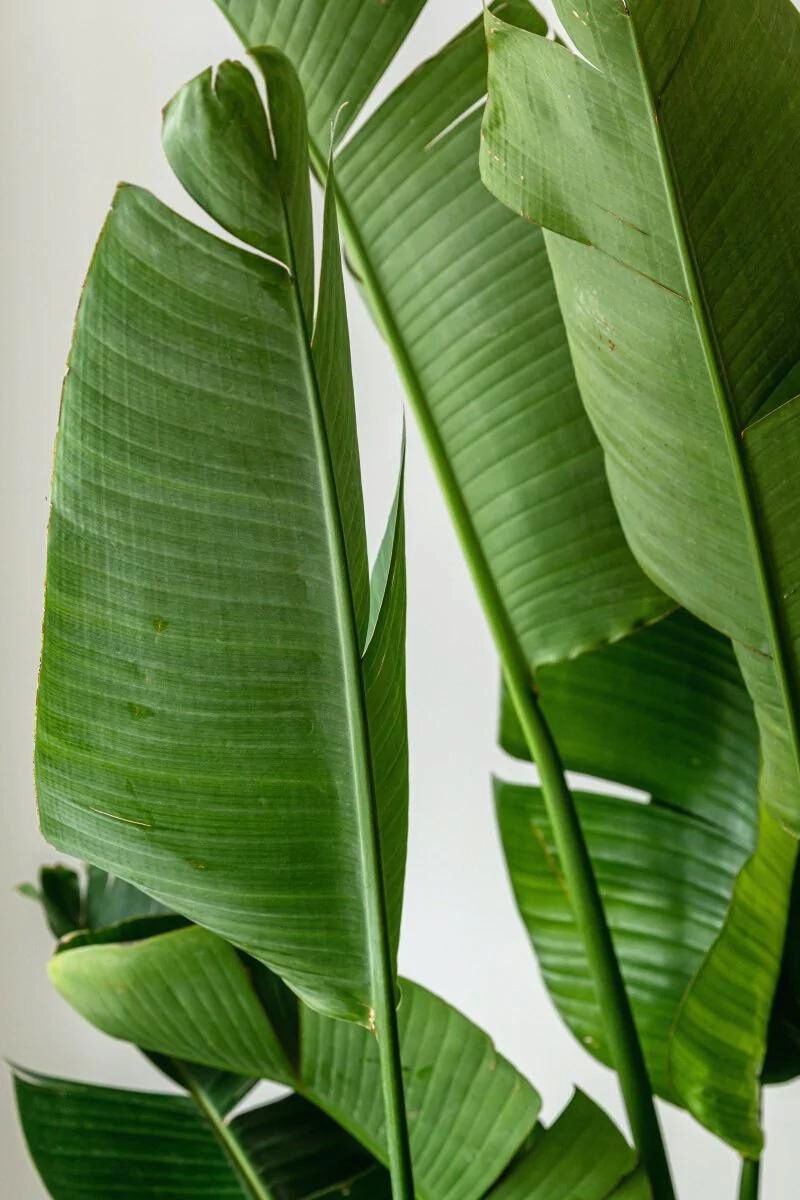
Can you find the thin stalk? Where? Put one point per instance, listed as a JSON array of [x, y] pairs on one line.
[[240, 1163], [587, 903], [750, 1179]]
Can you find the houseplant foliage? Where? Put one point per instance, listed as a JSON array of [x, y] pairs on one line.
[[607, 391]]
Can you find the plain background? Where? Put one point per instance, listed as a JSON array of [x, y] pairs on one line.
[[83, 85]]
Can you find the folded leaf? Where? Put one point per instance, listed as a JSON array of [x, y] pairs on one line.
[[204, 728], [683, 312]]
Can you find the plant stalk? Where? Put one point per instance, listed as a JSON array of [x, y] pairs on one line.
[[750, 1179], [587, 903]]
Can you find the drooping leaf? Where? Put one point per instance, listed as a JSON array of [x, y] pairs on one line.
[[89, 1143], [469, 1109], [464, 294], [682, 310], [582, 1155], [695, 887], [203, 726]]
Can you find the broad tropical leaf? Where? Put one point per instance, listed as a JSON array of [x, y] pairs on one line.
[[91, 1142], [582, 1155], [469, 1110], [682, 310], [695, 887], [464, 295], [211, 722]]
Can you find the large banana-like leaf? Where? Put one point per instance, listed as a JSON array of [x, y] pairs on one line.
[[695, 886], [678, 274], [187, 995], [91, 1142], [212, 725], [464, 295]]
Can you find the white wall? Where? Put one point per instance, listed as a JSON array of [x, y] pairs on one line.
[[83, 84]]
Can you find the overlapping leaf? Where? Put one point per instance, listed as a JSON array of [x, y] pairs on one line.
[[695, 887], [211, 725], [678, 274], [186, 994], [464, 295]]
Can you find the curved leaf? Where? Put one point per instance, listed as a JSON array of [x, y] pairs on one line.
[[683, 314], [156, 993], [204, 727], [469, 1109]]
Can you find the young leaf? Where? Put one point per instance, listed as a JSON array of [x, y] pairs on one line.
[[683, 312]]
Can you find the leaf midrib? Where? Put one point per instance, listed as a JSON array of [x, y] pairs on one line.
[[721, 387]]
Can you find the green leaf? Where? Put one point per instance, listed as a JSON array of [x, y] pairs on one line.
[[158, 991], [205, 729], [340, 53], [469, 1109], [464, 294], [683, 313], [60, 894], [695, 890], [582, 1155], [110, 900], [90, 1142]]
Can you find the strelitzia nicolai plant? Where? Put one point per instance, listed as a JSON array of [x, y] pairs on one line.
[[222, 700]]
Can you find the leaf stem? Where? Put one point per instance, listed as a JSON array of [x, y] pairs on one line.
[[750, 1179], [587, 903], [240, 1163]]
